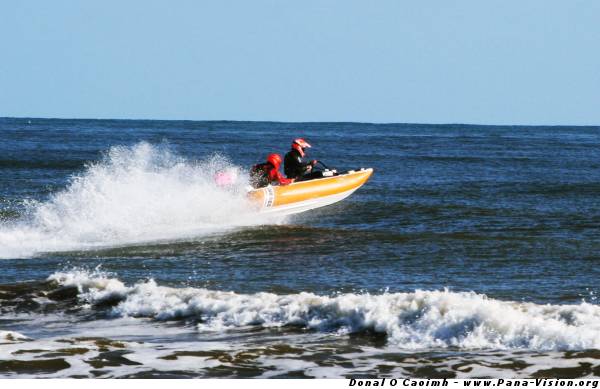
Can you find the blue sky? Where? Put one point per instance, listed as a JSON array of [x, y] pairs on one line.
[[489, 62]]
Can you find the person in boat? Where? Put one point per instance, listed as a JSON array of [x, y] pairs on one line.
[[268, 173], [294, 165]]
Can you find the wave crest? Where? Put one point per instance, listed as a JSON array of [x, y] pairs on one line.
[[417, 320]]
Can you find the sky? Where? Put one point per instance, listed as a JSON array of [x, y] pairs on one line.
[[463, 61]]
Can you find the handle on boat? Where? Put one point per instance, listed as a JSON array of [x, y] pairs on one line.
[[322, 164]]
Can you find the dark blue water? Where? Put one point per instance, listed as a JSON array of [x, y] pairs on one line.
[[512, 212]]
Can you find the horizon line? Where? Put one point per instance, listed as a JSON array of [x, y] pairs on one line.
[[300, 122]]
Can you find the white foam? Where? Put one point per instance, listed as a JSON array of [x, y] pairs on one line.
[[11, 336], [135, 194], [417, 320]]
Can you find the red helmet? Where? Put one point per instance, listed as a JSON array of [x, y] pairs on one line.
[[274, 159], [299, 145]]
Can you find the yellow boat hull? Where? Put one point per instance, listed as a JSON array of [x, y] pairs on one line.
[[305, 195]]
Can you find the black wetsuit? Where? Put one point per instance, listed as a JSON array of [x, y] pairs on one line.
[[295, 167]]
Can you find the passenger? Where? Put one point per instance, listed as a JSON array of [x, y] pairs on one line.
[[293, 165], [267, 173]]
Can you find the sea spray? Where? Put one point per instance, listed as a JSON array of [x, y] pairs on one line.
[[414, 321], [134, 194]]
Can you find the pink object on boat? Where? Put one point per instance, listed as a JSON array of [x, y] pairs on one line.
[[226, 177]]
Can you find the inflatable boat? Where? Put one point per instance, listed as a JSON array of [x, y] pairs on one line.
[[302, 196]]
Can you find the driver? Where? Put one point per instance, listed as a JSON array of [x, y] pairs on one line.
[[293, 165]]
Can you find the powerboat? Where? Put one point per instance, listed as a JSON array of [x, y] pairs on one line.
[[302, 196]]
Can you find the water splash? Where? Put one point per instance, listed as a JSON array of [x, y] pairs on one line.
[[133, 195]]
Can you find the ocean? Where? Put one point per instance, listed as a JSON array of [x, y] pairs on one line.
[[472, 251]]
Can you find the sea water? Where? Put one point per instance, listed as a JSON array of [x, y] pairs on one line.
[[472, 251]]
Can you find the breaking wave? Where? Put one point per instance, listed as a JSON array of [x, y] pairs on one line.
[[417, 320], [134, 194]]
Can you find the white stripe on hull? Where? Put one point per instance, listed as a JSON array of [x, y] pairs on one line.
[[307, 205]]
